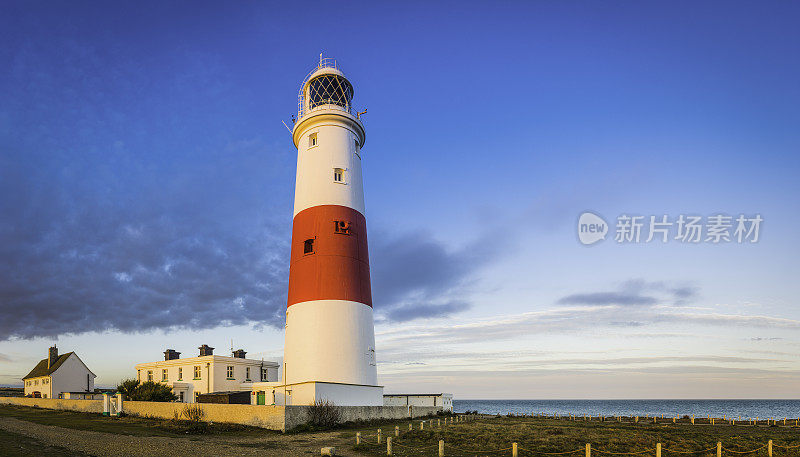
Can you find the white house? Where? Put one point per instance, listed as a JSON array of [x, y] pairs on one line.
[[58, 375], [443, 400], [207, 373]]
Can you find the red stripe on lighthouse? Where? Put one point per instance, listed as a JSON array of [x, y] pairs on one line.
[[338, 266]]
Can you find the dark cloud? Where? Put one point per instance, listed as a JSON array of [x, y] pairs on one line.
[[606, 298], [635, 292], [416, 276], [407, 312]]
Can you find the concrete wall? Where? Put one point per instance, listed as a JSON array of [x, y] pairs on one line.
[[90, 406], [270, 417]]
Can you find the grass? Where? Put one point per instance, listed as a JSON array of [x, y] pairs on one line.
[[537, 436], [126, 425], [16, 445]]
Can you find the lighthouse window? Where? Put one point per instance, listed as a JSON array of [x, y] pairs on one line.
[[308, 246], [312, 140], [342, 227], [338, 175]]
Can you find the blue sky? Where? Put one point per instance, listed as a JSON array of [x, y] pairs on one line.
[[146, 186]]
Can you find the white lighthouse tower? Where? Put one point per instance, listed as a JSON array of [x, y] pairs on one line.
[[330, 338]]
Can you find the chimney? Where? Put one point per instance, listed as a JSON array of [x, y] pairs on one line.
[[206, 350], [171, 354], [52, 356], [239, 353]]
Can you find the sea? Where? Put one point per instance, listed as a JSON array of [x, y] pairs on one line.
[[746, 409]]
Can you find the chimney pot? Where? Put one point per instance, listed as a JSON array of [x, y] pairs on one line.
[[239, 353], [171, 354], [206, 350]]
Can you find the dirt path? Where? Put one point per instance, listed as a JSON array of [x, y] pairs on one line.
[[108, 444]]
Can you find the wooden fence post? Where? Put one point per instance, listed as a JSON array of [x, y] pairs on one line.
[[379, 436], [422, 425], [769, 448], [411, 426], [658, 449], [514, 452], [719, 448], [388, 445], [588, 450], [396, 430], [358, 438], [441, 448]]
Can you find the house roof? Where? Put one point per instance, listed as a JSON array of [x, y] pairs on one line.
[[41, 368]]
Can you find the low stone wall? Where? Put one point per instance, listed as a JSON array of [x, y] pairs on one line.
[[299, 415], [271, 417], [89, 406]]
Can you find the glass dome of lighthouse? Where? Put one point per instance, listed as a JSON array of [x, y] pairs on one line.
[[325, 87]]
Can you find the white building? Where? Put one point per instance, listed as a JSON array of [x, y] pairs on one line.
[[443, 400], [59, 374], [207, 373]]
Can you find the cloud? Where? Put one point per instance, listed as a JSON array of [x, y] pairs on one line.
[[4, 358], [416, 276], [635, 292]]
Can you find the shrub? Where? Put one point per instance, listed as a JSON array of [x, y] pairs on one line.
[[127, 388], [323, 413], [193, 412], [132, 390]]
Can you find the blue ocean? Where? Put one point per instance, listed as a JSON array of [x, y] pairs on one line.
[[777, 409]]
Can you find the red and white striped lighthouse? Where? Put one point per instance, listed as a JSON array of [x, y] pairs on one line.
[[330, 336]]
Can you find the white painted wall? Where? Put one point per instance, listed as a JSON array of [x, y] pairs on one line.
[[71, 376], [443, 400], [336, 148], [330, 341]]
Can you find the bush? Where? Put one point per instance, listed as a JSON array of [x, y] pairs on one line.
[[127, 388], [132, 390], [323, 413], [193, 412]]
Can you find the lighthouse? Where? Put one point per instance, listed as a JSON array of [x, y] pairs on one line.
[[329, 351]]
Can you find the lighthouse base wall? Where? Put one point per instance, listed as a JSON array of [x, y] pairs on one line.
[[308, 393]]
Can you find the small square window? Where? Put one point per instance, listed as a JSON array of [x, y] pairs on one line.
[[342, 227], [308, 246], [338, 175], [312, 140]]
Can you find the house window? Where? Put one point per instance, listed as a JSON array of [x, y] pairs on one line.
[[180, 375], [164, 375], [338, 175], [197, 372], [308, 246], [180, 397], [247, 374], [263, 374], [230, 371], [150, 375], [36, 382], [342, 227], [312, 140], [44, 395], [139, 375]]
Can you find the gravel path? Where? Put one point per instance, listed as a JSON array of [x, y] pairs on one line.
[[108, 444]]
